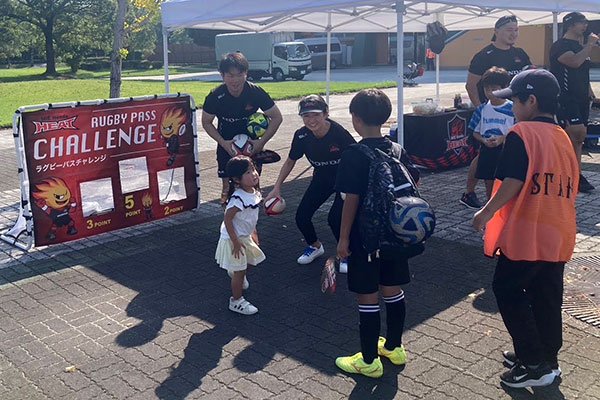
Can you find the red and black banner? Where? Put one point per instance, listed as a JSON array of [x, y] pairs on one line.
[[98, 168], [439, 141]]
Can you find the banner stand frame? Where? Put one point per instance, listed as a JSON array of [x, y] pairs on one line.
[[24, 222]]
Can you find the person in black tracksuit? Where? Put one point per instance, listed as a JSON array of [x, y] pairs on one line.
[[570, 63], [322, 141]]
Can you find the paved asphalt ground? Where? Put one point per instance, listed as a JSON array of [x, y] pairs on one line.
[[142, 313]]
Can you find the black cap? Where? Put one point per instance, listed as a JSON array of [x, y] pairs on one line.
[[312, 103], [538, 82], [573, 18]]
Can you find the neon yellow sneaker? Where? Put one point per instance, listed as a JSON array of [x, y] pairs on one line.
[[356, 365], [396, 356]]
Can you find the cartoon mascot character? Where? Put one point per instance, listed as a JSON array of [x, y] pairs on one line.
[[147, 204], [54, 197], [172, 125]]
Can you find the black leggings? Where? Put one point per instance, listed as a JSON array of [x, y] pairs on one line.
[[319, 190]]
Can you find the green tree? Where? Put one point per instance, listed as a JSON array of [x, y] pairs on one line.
[[134, 29], [53, 18], [16, 38], [89, 35], [118, 52], [142, 26]]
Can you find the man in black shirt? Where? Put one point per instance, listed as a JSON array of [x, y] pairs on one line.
[[500, 53], [570, 64], [232, 103]]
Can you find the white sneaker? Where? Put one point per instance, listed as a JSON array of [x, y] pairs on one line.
[[344, 266], [245, 285], [242, 306], [310, 253]]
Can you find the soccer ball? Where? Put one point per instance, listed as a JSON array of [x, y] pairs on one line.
[[241, 145], [412, 220], [257, 124]]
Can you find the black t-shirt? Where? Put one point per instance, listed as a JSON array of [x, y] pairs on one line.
[[353, 176], [574, 82], [514, 160], [512, 60], [233, 112], [324, 153]]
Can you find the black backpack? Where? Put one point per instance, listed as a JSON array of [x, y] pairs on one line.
[[436, 36], [389, 179]]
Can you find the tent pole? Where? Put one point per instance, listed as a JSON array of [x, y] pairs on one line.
[[400, 69], [437, 66], [554, 26], [328, 59], [166, 59], [437, 77]]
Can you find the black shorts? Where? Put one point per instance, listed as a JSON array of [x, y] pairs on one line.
[[573, 112], [364, 277], [488, 161], [223, 157]]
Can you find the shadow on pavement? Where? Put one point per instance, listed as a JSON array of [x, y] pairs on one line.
[[551, 392], [175, 276]]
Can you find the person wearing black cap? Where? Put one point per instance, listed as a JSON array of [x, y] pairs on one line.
[[322, 141], [570, 63], [530, 225], [500, 53]]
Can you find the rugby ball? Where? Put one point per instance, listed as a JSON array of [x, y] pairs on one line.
[[241, 145], [274, 206]]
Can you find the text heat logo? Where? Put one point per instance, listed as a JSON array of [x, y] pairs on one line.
[[47, 126], [457, 135]]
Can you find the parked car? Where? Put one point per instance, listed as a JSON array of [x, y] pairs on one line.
[[318, 52]]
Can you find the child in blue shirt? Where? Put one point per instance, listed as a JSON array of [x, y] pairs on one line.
[[490, 124]]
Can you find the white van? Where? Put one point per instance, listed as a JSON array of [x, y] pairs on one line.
[[318, 51]]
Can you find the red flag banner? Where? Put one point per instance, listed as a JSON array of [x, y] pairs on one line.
[[97, 168]]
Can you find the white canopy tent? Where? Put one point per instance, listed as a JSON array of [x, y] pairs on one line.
[[360, 16]]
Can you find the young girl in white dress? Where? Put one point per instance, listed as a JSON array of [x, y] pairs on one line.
[[238, 245]]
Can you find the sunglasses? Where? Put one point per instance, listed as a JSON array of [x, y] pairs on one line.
[[505, 20]]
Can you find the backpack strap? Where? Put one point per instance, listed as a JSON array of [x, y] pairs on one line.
[[366, 150]]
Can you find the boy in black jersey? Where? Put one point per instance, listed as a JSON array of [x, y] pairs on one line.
[[570, 64], [232, 103], [369, 274]]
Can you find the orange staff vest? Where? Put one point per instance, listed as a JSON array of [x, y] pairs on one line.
[[539, 223]]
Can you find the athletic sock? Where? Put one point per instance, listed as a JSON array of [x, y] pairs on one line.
[[395, 308], [370, 322]]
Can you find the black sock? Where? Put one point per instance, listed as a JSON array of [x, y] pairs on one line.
[[395, 314], [370, 322]]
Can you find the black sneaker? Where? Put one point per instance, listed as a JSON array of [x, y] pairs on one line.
[[510, 359], [584, 185], [520, 376], [470, 200]]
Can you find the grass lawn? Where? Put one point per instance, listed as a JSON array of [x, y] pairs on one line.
[[36, 73], [16, 94]]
